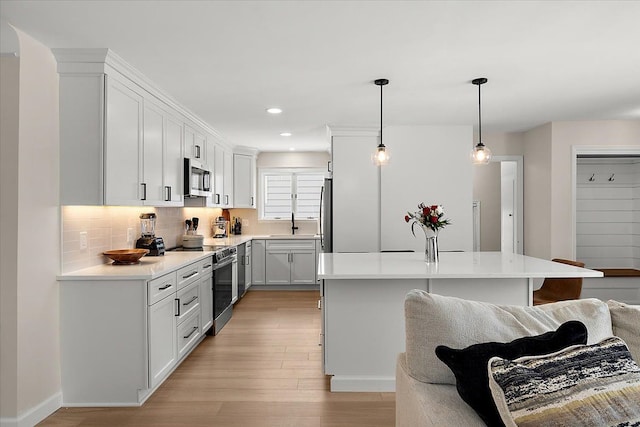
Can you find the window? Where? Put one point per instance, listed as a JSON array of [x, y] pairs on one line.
[[287, 191]]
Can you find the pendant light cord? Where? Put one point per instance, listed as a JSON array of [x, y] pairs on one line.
[[381, 115], [479, 116]]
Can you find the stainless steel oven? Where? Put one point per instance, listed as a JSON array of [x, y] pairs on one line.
[[222, 286]]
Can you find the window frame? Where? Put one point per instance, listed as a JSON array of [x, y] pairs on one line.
[[293, 173]]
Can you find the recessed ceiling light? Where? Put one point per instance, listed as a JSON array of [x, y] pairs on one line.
[[285, 134], [274, 110], [292, 149]]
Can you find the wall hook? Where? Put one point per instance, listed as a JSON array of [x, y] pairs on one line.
[[611, 177], [592, 178]]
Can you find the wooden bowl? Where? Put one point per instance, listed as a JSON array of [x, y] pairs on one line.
[[126, 256]]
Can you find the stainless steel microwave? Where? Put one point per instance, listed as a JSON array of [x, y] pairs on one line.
[[197, 179]]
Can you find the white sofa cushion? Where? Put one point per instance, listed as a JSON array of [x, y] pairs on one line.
[[432, 320], [421, 404], [626, 325]]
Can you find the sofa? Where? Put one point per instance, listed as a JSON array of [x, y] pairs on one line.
[[426, 393]]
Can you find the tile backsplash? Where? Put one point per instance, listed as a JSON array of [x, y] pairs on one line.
[[107, 226]]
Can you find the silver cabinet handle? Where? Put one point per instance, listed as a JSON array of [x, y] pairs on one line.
[[329, 166], [217, 199], [197, 151], [207, 266], [144, 191], [193, 273], [226, 199], [167, 286], [177, 300], [195, 328], [251, 200], [168, 193], [190, 301]]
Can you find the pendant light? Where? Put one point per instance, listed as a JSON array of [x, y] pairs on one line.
[[381, 156], [480, 155]]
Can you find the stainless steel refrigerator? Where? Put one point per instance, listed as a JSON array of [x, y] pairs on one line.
[[326, 216]]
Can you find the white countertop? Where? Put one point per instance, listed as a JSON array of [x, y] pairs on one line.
[[149, 267], [452, 265]]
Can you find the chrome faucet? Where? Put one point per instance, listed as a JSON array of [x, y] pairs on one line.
[[293, 224]]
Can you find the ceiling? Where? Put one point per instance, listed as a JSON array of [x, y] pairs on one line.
[[228, 61]]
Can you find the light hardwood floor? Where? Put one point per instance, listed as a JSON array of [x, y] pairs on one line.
[[262, 370]]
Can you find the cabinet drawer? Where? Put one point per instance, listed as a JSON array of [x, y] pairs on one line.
[[160, 288], [188, 334], [206, 266], [188, 274], [288, 245], [188, 301]]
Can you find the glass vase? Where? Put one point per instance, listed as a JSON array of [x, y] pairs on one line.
[[431, 246]]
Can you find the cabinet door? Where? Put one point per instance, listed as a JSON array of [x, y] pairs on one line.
[[162, 339], [228, 201], [277, 267], [243, 177], [189, 142], [123, 145], [218, 171], [248, 263], [258, 262], [200, 148], [152, 148], [173, 162], [206, 303], [303, 267]]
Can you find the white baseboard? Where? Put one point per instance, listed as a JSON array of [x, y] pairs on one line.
[[363, 383], [36, 414]]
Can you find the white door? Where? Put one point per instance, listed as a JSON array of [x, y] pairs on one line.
[[228, 201], [278, 267], [508, 238]]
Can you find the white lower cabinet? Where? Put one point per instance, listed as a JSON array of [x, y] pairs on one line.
[[120, 338], [258, 262], [162, 338], [290, 262]]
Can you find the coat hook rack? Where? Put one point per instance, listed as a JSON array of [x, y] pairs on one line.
[[611, 177], [592, 178]]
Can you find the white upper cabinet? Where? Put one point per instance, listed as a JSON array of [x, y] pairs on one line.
[[122, 139], [172, 162], [195, 144], [227, 199], [122, 145], [244, 181], [218, 172]]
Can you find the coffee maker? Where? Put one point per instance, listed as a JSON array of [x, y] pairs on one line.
[[148, 240]]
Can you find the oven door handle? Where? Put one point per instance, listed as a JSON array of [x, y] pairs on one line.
[[223, 263]]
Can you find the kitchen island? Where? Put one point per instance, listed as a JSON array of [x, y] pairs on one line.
[[363, 302]]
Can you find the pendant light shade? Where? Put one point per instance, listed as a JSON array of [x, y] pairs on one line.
[[381, 156], [481, 154]]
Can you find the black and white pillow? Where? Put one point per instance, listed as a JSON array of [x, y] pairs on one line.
[[582, 385], [469, 365]]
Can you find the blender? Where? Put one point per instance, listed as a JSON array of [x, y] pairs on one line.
[[148, 240]]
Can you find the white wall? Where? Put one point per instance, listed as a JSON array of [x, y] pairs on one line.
[[538, 210], [9, 88], [35, 240], [486, 185], [429, 164], [564, 136]]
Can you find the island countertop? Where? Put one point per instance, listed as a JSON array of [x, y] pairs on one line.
[[460, 265]]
